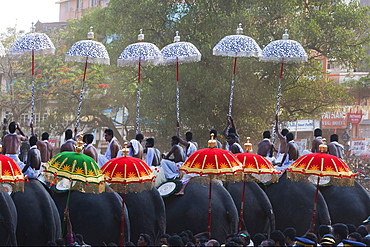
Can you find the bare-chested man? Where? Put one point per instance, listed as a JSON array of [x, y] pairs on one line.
[[282, 139], [171, 165], [189, 146], [265, 147], [230, 128], [135, 147], [112, 149], [12, 141], [70, 143], [291, 153], [90, 150], [317, 141], [46, 149], [234, 147], [153, 155]]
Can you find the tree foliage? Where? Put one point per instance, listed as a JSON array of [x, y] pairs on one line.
[[330, 28]]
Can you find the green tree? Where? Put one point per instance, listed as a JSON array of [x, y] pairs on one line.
[[330, 28]]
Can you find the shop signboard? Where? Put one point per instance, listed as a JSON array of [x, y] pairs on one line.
[[334, 120], [354, 118], [303, 125], [360, 145]]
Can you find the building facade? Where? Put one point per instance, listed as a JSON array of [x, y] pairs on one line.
[[69, 9]]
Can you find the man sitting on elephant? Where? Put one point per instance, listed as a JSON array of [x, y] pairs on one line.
[[234, 147], [334, 148], [12, 141], [153, 155], [265, 147], [291, 153], [171, 166], [135, 147], [33, 159], [317, 141], [112, 148]]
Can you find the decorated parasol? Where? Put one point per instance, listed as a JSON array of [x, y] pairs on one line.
[[177, 53], [320, 169], [139, 54], [283, 51], [127, 174], [81, 170], [87, 51], [216, 164], [36, 44], [236, 46], [255, 168], [11, 176]]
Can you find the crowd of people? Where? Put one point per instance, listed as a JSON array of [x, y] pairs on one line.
[[167, 164], [338, 234]]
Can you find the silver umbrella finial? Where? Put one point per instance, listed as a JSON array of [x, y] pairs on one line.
[[177, 37], [239, 30], [33, 28], [286, 35], [140, 37], [90, 35]]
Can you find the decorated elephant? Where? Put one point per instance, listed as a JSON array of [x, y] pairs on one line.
[[258, 215], [293, 204], [147, 214], [349, 205], [189, 211], [38, 219], [8, 219], [97, 217]]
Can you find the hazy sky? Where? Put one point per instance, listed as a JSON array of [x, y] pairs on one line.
[[23, 12]]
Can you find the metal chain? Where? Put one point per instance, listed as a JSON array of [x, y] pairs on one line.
[[80, 104], [277, 110], [177, 102], [33, 101], [137, 108], [231, 93]]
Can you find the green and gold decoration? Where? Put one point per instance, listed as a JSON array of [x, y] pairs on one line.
[[79, 168], [76, 167]]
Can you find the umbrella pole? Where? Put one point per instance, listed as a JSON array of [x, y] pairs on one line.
[[138, 97], [232, 87], [209, 208], [177, 92], [278, 96], [242, 204], [81, 95], [315, 205], [67, 205], [33, 87], [122, 230]]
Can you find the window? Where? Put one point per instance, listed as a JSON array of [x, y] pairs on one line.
[[66, 10], [79, 4], [94, 2]]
